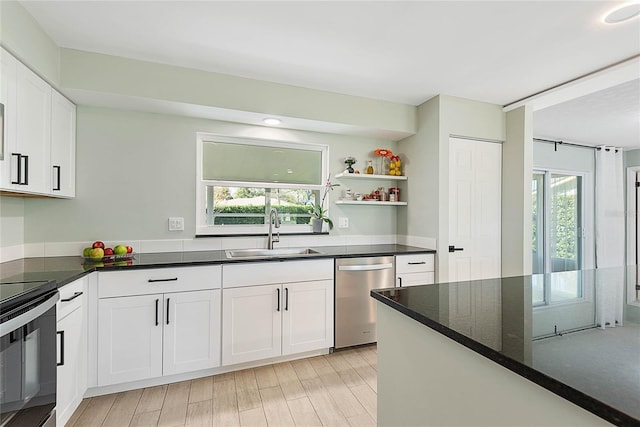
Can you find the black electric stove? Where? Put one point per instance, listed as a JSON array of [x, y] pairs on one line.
[[17, 293]]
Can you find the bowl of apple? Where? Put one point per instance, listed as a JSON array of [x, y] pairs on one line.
[[98, 252]]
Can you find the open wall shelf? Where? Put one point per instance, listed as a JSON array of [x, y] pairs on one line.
[[369, 176]]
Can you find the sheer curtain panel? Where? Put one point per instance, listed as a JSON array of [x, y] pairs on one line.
[[609, 236]]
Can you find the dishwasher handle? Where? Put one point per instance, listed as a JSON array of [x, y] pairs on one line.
[[365, 267]]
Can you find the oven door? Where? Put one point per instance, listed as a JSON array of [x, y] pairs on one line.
[[28, 364]]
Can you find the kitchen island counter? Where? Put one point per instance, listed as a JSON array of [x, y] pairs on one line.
[[544, 328]]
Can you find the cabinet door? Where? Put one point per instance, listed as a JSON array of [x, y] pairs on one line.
[[8, 70], [63, 146], [415, 279], [307, 316], [191, 331], [129, 339], [251, 323], [71, 354], [33, 130]]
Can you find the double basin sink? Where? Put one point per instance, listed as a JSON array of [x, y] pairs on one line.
[[267, 253]]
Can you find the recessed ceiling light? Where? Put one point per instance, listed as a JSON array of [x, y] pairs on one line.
[[272, 122], [623, 13]]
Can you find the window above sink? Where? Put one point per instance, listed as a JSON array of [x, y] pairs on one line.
[[239, 180]]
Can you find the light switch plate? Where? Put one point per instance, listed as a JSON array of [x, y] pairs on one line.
[[343, 222], [176, 224]]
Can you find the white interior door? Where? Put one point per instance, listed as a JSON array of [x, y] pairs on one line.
[[475, 186]]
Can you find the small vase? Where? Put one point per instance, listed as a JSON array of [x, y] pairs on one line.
[[316, 223]]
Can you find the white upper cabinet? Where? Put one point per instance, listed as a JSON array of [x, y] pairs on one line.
[[33, 132], [63, 146], [38, 135], [8, 71]]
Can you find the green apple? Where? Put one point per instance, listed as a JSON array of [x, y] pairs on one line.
[[120, 250], [87, 252], [97, 253]]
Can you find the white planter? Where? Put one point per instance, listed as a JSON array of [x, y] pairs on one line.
[[317, 225]]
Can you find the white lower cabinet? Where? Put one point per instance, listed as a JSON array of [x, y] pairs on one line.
[[415, 269], [273, 320], [130, 339], [72, 350], [191, 339], [307, 319], [148, 336], [252, 323]]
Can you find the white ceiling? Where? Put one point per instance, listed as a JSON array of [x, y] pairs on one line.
[[401, 51], [581, 120]]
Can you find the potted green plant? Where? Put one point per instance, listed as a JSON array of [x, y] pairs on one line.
[[318, 210]]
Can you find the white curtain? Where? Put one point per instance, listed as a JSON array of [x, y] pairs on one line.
[[610, 225], [609, 208]]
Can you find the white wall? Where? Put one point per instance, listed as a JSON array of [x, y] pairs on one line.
[[134, 170]]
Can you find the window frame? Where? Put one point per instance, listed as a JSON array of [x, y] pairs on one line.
[[204, 229], [585, 218]]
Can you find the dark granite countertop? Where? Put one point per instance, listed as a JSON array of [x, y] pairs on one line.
[[546, 329], [66, 269]]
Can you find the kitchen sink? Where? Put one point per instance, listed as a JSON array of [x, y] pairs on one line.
[[265, 253]]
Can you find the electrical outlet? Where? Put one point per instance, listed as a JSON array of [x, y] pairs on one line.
[[343, 222], [176, 224]]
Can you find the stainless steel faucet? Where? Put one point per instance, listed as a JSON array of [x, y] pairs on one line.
[[273, 218]]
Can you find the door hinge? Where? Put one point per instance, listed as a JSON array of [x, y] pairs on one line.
[[637, 184]]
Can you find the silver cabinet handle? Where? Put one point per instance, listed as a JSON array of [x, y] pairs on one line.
[[365, 267]]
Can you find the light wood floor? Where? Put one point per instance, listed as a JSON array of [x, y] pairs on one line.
[[338, 389]]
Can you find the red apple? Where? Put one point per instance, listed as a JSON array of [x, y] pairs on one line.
[[129, 249], [98, 244], [108, 251]]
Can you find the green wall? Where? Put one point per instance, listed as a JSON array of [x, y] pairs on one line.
[[21, 35], [11, 221], [632, 158], [427, 152], [134, 170]]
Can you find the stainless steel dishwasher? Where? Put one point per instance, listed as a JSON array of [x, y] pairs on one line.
[[355, 309]]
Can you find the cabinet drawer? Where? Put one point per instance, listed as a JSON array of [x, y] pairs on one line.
[[266, 273], [158, 281], [415, 279], [414, 263], [71, 298]]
